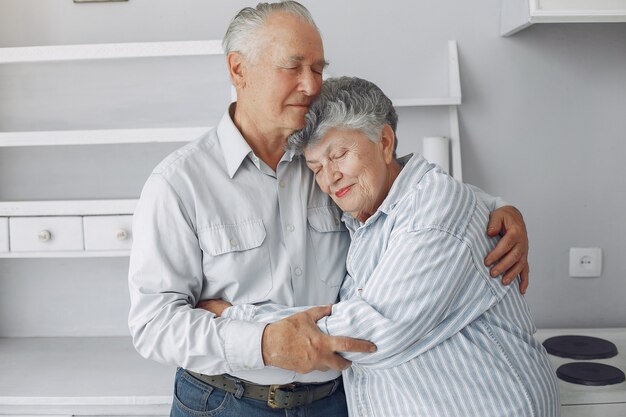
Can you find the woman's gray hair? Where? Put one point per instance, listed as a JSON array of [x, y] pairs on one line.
[[241, 33], [346, 103]]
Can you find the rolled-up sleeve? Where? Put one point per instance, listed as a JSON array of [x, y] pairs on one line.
[[165, 283]]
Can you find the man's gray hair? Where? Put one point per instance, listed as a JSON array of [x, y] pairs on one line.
[[241, 35], [346, 103]]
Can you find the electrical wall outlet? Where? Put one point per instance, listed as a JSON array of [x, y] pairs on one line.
[[585, 262]]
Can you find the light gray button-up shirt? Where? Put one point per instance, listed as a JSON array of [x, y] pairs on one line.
[[214, 221]]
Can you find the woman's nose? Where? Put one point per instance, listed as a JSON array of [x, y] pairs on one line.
[[332, 174], [336, 175]]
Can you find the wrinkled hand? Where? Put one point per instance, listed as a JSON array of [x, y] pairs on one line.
[[216, 307], [296, 343], [510, 256]]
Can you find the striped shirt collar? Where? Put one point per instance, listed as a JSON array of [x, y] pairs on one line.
[[234, 146]]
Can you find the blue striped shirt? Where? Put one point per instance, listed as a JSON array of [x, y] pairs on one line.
[[451, 340]]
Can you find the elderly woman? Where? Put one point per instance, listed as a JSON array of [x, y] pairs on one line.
[[451, 340]]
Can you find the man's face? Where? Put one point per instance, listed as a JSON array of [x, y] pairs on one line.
[[286, 75]]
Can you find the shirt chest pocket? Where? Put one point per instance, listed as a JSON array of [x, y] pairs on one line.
[[330, 241], [236, 261]]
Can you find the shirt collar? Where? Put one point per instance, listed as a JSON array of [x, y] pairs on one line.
[[413, 169], [235, 149], [234, 146]]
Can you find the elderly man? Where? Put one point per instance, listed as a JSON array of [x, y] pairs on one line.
[[234, 216]]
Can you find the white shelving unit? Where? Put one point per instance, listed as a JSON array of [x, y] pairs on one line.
[[104, 375], [122, 136], [56, 209], [520, 14], [66, 376]]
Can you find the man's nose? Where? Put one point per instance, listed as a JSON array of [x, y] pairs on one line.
[[310, 82]]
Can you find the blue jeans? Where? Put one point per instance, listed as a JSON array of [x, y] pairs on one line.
[[194, 398]]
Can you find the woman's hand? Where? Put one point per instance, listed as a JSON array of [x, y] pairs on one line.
[[510, 256], [216, 306]]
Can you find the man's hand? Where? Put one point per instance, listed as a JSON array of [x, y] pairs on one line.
[[511, 253], [216, 307], [297, 344]]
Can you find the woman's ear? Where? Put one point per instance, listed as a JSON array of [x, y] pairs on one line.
[[236, 68], [388, 142]]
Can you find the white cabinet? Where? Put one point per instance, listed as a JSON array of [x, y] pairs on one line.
[[68, 229], [104, 233], [66, 236], [46, 234], [519, 14]]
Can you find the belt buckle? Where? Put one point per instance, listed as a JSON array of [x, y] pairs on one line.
[[271, 400]]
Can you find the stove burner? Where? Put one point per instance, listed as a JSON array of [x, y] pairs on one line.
[[590, 373], [580, 347]]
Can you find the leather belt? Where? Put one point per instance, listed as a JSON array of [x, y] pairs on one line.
[[277, 396]]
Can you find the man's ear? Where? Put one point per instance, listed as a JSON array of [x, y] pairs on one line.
[[236, 69], [388, 142]]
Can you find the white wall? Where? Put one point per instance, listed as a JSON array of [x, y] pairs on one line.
[[542, 122]]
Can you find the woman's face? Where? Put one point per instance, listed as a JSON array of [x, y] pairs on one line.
[[353, 170]]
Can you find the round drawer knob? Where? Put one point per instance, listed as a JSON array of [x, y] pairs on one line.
[[121, 234], [44, 235]]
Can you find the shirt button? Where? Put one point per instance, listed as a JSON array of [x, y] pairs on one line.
[[291, 227], [233, 242], [281, 184], [298, 271]]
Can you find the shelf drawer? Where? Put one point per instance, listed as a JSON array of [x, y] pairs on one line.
[[108, 232], [44, 234], [4, 234]]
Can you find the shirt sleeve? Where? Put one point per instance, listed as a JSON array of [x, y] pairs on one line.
[[270, 313], [266, 313], [165, 283], [491, 202], [425, 289]]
